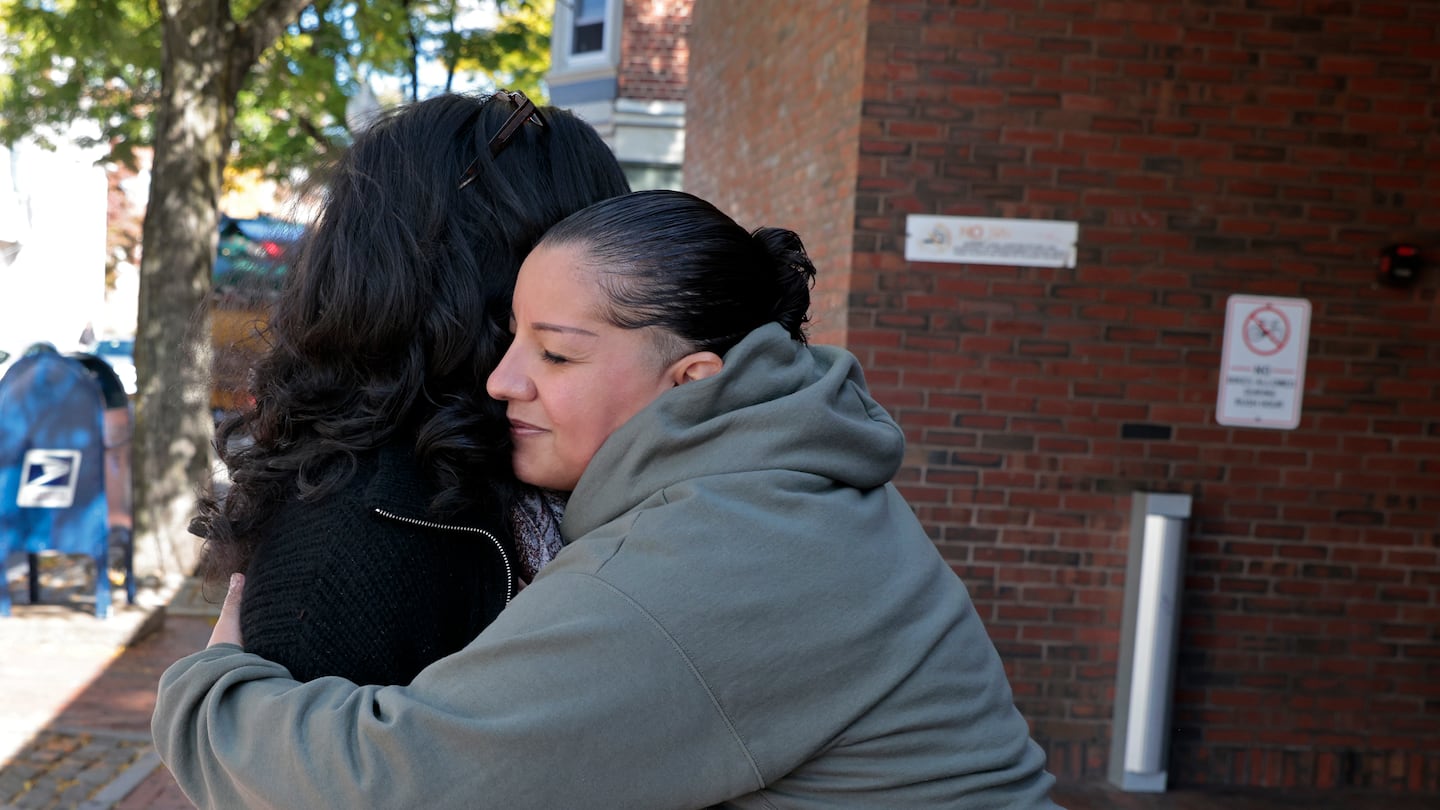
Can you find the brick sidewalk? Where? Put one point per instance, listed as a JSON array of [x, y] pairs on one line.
[[122, 699], [96, 753], [76, 694], [180, 636]]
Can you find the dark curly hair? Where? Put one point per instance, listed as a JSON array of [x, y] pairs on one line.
[[393, 312]]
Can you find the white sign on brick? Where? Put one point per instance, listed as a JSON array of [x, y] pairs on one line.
[[978, 240], [1262, 364]]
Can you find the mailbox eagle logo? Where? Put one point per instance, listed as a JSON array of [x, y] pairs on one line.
[[49, 478]]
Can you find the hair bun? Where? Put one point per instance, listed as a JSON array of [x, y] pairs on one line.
[[794, 276]]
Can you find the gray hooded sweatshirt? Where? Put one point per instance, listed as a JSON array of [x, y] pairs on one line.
[[746, 614]]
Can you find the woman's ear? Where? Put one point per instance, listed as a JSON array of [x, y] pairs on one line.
[[695, 366]]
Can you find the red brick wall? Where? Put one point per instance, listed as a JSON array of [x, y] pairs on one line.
[[1207, 148], [773, 137], [655, 51]]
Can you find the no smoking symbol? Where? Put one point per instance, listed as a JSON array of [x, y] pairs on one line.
[[1266, 331]]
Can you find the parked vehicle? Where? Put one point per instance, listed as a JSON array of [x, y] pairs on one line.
[[249, 269], [252, 252], [120, 354]]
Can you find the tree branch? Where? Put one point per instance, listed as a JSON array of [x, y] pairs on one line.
[[322, 141], [258, 31]]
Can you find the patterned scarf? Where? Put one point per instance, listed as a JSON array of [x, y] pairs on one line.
[[535, 524]]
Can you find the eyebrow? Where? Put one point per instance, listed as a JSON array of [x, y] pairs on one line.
[[567, 330]]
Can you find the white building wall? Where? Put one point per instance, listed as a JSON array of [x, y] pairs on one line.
[[52, 244]]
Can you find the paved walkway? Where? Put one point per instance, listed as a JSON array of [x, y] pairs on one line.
[[76, 694]]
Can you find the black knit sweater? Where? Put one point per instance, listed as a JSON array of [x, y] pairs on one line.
[[350, 586]]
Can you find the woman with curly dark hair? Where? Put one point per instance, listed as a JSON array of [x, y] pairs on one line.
[[371, 500]]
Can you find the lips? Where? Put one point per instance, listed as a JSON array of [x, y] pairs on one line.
[[522, 428]]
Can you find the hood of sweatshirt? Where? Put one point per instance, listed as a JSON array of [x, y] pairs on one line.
[[776, 405]]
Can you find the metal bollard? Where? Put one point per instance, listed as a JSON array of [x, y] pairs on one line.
[[1149, 641]]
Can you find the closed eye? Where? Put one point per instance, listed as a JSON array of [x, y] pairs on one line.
[[554, 359]]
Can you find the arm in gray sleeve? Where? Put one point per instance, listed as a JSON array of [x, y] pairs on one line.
[[573, 697]]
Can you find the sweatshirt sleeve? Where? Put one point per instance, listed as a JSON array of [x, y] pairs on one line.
[[574, 697]]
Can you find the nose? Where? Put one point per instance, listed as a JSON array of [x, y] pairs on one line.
[[508, 381]]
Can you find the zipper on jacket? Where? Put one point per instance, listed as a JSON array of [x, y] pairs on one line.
[[509, 573]]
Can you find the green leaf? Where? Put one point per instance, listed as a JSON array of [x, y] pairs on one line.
[[75, 60]]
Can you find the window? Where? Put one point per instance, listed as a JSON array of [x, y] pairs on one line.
[[584, 51], [644, 176], [589, 27]]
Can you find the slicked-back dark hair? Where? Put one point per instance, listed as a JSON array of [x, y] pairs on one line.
[[393, 312], [673, 261]]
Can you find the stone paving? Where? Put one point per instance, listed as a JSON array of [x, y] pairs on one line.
[[65, 768], [76, 692]]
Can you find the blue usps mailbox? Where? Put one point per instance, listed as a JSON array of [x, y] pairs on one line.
[[56, 413]]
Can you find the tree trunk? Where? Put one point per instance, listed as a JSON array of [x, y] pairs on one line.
[[207, 57], [173, 426]]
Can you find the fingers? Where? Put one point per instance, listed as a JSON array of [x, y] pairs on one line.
[[227, 627]]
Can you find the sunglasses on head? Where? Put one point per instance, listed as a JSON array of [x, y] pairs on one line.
[[525, 113]]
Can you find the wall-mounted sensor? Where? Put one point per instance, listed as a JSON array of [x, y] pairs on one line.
[[1400, 263]]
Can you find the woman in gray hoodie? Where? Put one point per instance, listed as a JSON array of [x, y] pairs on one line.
[[746, 612]]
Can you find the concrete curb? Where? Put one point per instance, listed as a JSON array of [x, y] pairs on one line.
[[77, 768], [122, 785]]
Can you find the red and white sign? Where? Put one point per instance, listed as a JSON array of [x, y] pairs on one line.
[[1262, 364], [982, 240]]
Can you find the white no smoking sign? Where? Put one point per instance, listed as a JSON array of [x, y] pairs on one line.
[[1262, 366]]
